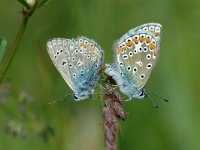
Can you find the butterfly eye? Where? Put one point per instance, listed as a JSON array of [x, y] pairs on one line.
[[141, 93], [75, 97]]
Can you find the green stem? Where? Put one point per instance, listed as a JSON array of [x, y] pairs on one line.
[[11, 52]]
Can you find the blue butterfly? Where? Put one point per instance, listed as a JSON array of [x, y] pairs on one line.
[[136, 53], [78, 61]]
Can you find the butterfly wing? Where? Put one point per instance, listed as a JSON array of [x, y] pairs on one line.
[[78, 61], [87, 57], [138, 51], [60, 55], [154, 28]]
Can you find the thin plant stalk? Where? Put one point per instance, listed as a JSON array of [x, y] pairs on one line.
[[11, 52]]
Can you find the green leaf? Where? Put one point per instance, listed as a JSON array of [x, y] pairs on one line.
[[25, 4], [42, 2], [3, 45]]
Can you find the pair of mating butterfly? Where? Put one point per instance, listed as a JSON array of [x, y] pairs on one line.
[[80, 60]]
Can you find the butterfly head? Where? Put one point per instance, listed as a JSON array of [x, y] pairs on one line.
[[78, 97], [141, 94], [81, 95]]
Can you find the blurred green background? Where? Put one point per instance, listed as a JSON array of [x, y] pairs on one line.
[[28, 122]]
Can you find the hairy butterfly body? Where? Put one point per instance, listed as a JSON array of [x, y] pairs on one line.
[[136, 55], [78, 61]]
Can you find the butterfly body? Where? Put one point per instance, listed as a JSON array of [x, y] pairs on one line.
[[136, 55], [78, 61]]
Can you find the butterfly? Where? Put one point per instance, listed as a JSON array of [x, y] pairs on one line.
[[78, 61], [136, 54]]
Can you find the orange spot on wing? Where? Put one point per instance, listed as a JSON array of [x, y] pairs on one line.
[[157, 34], [148, 40], [135, 40], [152, 46], [121, 49], [129, 43], [141, 39]]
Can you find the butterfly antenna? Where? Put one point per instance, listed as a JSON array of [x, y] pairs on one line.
[[59, 99], [164, 99], [154, 104]]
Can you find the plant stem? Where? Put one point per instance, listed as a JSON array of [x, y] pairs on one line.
[[11, 52], [112, 111]]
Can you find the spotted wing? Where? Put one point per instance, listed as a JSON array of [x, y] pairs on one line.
[[59, 52], [76, 60], [86, 59], [154, 28], [137, 54]]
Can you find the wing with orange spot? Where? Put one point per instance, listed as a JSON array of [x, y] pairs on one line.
[[138, 51]]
